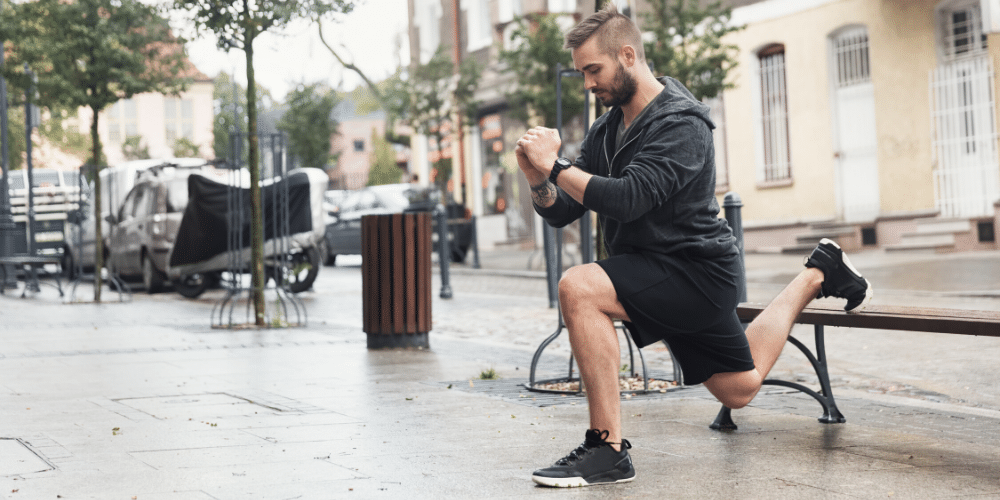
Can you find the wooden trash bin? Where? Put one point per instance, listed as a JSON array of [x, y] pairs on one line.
[[396, 279]]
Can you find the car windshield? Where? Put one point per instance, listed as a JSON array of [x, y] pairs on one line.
[[177, 195], [402, 196]]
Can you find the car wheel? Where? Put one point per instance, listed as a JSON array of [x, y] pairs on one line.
[[193, 285], [151, 277], [331, 259], [299, 270]]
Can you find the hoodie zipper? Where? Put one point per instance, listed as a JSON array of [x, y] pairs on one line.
[[604, 234], [615, 156]]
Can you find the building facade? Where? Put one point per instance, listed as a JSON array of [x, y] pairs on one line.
[[869, 121], [873, 122], [158, 120]]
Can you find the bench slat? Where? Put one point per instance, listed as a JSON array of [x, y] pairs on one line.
[[919, 319]]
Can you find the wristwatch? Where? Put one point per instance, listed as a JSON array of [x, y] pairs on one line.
[[560, 165]]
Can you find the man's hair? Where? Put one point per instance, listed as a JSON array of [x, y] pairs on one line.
[[612, 29]]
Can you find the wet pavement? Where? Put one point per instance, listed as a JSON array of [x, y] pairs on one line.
[[145, 400]]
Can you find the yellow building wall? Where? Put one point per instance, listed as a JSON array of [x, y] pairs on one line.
[[902, 53]]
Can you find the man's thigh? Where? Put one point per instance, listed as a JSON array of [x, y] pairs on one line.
[[588, 285]]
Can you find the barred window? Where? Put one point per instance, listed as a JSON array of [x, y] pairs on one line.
[[963, 33], [851, 52], [774, 114]]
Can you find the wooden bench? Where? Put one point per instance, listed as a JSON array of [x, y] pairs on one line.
[[30, 264], [917, 319]]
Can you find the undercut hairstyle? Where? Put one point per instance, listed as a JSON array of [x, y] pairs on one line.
[[612, 29]]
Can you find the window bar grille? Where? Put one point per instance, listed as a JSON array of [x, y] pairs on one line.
[[777, 165]]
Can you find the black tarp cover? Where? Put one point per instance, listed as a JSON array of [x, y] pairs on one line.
[[205, 226]]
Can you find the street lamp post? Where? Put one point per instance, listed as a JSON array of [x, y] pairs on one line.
[[6, 219]]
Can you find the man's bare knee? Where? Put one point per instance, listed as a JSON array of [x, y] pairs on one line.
[[575, 287], [734, 389]]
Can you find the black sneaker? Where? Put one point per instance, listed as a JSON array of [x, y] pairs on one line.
[[841, 279], [593, 462]]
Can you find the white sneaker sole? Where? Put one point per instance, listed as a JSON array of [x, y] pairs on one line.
[[572, 482], [869, 293]]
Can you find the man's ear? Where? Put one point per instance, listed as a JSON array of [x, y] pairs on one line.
[[627, 55]]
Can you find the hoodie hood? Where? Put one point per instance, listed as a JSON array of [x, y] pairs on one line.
[[677, 99]]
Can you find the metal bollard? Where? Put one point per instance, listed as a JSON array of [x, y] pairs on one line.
[[475, 244], [444, 251], [733, 206], [551, 265]]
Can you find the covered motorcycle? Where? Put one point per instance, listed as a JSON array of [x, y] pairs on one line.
[[214, 234]]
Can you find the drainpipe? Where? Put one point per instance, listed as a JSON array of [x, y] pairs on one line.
[[460, 136]]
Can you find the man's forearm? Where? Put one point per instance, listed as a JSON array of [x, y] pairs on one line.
[[543, 194]]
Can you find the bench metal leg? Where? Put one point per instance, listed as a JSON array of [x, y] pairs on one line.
[[531, 385], [831, 414]]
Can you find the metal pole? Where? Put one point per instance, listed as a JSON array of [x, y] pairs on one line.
[[7, 226], [548, 232], [733, 206], [444, 251], [586, 238], [28, 126], [475, 244]]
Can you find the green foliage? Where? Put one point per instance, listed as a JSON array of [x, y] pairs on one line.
[[382, 160], [432, 97], [185, 148], [538, 47], [134, 149], [230, 113], [66, 138], [92, 53], [489, 374], [237, 24], [687, 44], [309, 125], [230, 102], [15, 136], [53, 128]]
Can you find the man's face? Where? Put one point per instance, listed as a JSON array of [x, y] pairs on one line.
[[603, 75]]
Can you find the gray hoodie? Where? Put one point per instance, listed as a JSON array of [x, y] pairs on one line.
[[657, 194]]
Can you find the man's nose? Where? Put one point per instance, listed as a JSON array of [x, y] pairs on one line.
[[588, 82]]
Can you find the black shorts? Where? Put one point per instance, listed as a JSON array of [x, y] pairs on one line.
[[689, 302]]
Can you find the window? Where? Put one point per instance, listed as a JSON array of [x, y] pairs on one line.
[[123, 121], [508, 10], [479, 28], [359, 145], [963, 33], [850, 50], [776, 165], [128, 206], [560, 6], [428, 14], [143, 202], [178, 118], [718, 115]]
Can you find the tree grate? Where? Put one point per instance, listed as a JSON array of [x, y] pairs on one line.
[[514, 390]]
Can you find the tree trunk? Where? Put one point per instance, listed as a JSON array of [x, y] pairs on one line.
[[95, 160], [257, 278]]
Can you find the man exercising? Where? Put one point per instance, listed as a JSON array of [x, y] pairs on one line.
[[647, 168]]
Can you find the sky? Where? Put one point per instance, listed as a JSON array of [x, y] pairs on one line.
[[371, 35]]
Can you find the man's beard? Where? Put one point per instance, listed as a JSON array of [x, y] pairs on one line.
[[622, 89]]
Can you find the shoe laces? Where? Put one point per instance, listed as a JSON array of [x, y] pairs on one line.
[[593, 439]]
